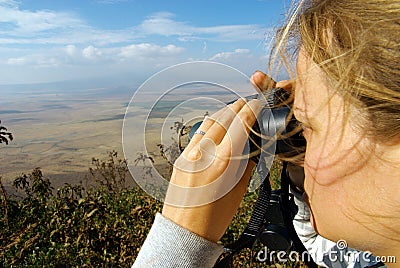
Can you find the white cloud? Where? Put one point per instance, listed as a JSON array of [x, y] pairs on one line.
[[10, 3], [52, 27], [149, 50], [163, 23], [35, 45], [204, 47], [25, 22], [231, 54], [16, 61], [124, 64], [242, 50], [140, 51], [48, 61], [37, 60], [71, 50], [49, 27], [243, 59], [91, 52], [71, 55]]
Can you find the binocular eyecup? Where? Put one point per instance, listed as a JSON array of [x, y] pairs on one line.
[[276, 131]]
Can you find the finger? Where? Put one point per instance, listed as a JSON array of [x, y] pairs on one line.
[[192, 151], [261, 81], [199, 159], [286, 84], [233, 143], [204, 127], [218, 130]]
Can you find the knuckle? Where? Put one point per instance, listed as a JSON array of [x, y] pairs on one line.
[[248, 112], [240, 102], [220, 165], [224, 150], [246, 116], [236, 106], [193, 154]]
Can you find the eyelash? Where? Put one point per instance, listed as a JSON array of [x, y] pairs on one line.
[[303, 128], [300, 125]]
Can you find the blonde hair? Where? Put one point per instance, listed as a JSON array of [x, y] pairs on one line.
[[357, 44]]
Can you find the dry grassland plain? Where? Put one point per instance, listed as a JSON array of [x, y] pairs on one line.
[[61, 131]]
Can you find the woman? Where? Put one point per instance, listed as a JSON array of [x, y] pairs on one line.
[[347, 97]]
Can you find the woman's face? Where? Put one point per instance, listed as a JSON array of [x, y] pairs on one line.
[[338, 157]]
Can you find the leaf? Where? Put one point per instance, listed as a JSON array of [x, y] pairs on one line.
[[136, 210], [91, 213]]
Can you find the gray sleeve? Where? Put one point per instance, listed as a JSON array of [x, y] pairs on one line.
[[170, 245]]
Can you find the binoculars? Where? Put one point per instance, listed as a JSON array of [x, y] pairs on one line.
[[276, 131]]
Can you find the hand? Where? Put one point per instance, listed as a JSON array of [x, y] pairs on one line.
[[263, 82], [211, 175]]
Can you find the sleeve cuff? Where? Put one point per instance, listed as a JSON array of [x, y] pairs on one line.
[[170, 245], [303, 212]]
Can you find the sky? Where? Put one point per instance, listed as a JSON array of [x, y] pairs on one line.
[[122, 41]]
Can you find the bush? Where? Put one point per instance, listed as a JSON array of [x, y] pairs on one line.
[[75, 227], [95, 227]]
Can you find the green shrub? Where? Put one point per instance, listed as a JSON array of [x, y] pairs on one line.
[[74, 227], [104, 225]]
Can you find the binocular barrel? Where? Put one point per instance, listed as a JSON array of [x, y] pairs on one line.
[[276, 131]]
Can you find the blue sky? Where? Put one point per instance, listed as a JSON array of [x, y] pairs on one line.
[[124, 40]]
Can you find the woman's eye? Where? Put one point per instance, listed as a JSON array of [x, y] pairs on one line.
[[305, 130]]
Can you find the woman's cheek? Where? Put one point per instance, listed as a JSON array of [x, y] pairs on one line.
[[320, 160], [329, 158]]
